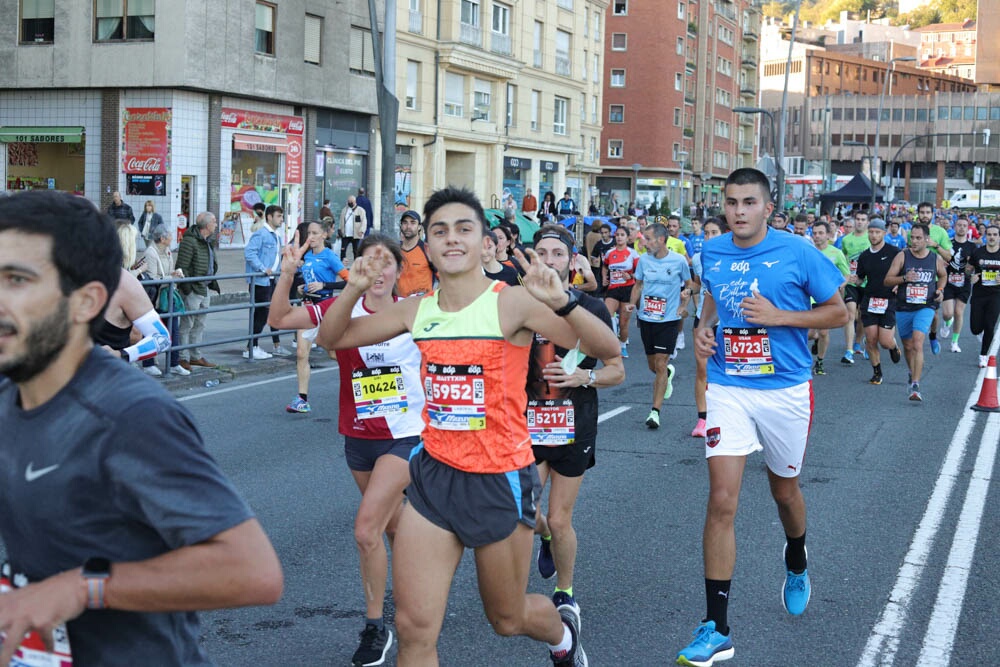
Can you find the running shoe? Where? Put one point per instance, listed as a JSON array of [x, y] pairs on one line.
[[818, 368], [374, 645], [915, 392], [179, 370], [258, 354], [546, 563], [575, 656], [298, 405], [653, 420], [795, 592], [944, 330], [563, 600], [707, 647], [935, 346], [699, 429], [848, 358], [152, 371], [955, 347], [861, 349], [281, 351], [624, 351], [670, 382], [876, 379], [894, 354], [680, 341], [983, 360]]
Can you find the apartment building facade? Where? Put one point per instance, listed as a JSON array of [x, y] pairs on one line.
[[212, 105], [500, 97], [673, 73], [949, 48]]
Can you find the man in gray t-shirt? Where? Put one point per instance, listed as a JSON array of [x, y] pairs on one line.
[[115, 519]]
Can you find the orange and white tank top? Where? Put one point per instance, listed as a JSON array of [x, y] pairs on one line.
[[475, 385]]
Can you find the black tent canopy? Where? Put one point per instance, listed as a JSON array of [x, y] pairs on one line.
[[858, 189]]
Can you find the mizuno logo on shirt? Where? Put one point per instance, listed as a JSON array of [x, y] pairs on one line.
[[30, 474], [770, 264]]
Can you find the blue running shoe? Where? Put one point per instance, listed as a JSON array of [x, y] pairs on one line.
[[298, 405], [624, 350], [848, 357], [796, 590], [935, 346], [565, 602], [707, 647], [546, 563]]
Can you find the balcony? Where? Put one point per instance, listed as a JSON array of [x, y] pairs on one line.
[[471, 34], [688, 132], [563, 65], [500, 43], [416, 22], [748, 60], [692, 29], [751, 33], [748, 89], [726, 10], [746, 119], [746, 147], [688, 98]]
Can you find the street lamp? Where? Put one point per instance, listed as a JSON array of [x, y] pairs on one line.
[[682, 155], [779, 158], [878, 124]]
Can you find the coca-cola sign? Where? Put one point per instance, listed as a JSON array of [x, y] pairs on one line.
[[146, 138], [260, 121]]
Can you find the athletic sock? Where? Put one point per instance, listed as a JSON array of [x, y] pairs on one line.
[[795, 554], [878, 369], [717, 598], [567, 591], [377, 622], [547, 538], [563, 647], [954, 338], [933, 335], [304, 397], [702, 415], [656, 410]]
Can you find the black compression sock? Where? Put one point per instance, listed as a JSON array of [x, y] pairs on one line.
[[702, 415], [795, 554], [933, 335], [304, 397], [878, 369], [717, 599]]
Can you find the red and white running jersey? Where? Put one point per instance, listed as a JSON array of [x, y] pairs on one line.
[[381, 394], [621, 265]]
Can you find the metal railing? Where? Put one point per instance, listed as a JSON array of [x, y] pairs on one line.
[[416, 22], [500, 43], [470, 34]]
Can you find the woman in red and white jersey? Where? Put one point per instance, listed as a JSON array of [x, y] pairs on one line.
[[618, 275], [381, 406]]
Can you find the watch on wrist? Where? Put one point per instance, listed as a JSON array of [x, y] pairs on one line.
[[96, 572], [573, 302], [591, 378]]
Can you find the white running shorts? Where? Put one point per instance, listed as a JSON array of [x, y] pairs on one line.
[[781, 416]]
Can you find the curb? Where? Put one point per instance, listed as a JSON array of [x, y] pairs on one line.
[[232, 366]]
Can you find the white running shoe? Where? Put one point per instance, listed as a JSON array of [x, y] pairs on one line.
[[152, 371], [179, 370], [955, 347], [983, 360], [281, 352], [680, 341], [258, 354]]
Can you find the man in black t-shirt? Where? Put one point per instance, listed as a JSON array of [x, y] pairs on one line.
[[957, 290], [597, 254], [120, 524], [878, 304], [984, 308]]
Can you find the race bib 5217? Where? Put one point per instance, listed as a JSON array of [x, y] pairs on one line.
[[551, 423]]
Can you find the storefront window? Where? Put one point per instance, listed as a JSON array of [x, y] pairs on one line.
[[344, 174], [255, 178], [44, 158]]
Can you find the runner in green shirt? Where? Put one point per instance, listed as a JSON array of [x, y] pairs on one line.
[[938, 243], [821, 337]]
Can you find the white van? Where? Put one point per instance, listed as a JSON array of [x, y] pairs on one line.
[[970, 199]]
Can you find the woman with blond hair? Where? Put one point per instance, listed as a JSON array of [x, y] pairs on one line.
[[147, 222]]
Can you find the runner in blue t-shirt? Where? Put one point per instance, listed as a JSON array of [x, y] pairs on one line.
[[661, 292], [759, 286]]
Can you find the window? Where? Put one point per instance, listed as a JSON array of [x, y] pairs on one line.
[[597, 26], [597, 68], [678, 83], [38, 18], [565, 4], [537, 43], [594, 105], [586, 23], [535, 103], [563, 65], [616, 113], [362, 53], [470, 12], [263, 28], [594, 157], [311, 41], [677, 116], [676, 152], [511, 105], [583, 64], [619, 41], [560, 110], [680, 10], [454, 95], [722, 129], [621, 7], [482, 95], [680, 46], [921, 115], [501, 19], [617, 78], [412, 79], [942, 113], [897, 114], [126, 19], [849, 114], [615, 148]]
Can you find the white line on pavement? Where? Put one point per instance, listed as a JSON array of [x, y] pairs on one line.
[[940, 637], [226, 390], [612, 413]]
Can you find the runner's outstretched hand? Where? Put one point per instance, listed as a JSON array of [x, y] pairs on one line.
[[292, 254], [542, 282], [367, 269]]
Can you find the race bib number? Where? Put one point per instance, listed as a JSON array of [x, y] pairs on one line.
[[456, 397], [654, 308], [989, 278], [956, 279], [551, 423], [378, 392], [618, 276], [747, 352], [916, 293], [877, 306], [32, 652]]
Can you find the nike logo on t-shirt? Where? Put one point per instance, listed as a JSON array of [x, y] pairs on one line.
[[30, 475]]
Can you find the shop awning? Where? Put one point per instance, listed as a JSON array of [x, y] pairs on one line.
[[250, 142], [41, 135]]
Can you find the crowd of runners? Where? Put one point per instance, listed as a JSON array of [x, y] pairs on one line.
[[470, 369]]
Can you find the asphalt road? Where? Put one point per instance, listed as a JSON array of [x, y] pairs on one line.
[[903, 529]]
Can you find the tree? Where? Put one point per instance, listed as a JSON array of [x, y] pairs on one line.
[[942, 11]]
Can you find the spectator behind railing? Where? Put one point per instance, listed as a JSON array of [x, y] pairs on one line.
[[160, 266], [130, 306], [196, 257]]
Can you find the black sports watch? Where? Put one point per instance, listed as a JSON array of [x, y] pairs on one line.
[[96, 572], [574, 301]]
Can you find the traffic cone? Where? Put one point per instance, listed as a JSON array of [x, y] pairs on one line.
[[988, 394]]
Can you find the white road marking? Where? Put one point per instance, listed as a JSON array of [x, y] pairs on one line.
[[226, 390], [613, 413], [940, 637]]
